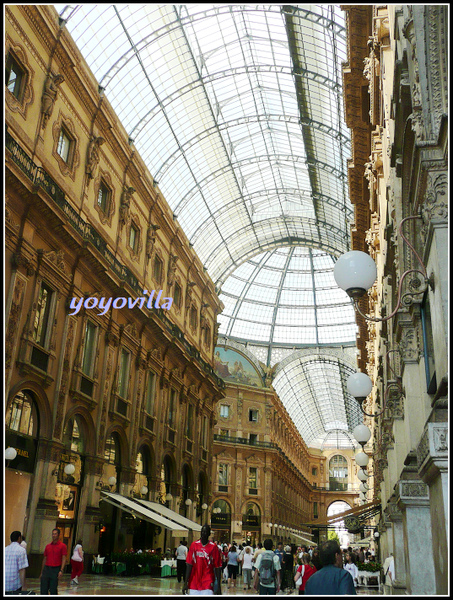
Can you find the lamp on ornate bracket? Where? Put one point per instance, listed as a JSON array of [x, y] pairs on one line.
[[355, 272]]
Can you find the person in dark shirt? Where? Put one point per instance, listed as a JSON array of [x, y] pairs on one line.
[[332, 579]]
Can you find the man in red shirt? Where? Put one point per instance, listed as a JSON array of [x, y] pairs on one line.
[[203, 567], [53, 564]]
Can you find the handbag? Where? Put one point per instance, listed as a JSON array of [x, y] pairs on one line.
[[298, 581]]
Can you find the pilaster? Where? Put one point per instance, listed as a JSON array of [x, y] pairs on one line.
[[413, 500]]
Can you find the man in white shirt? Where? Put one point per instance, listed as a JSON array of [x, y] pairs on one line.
[[181, 555], [389, 574], [15, 564]]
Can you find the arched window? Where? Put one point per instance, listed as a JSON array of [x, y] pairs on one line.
[[21, 415], [165, 480], [72, 436], [143, 475], [112, 455], [338, 473]]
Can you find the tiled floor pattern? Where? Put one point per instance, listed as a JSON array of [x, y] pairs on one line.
[[109, 585]]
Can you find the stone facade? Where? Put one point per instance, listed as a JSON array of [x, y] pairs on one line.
[[402, 125], [96, 388]]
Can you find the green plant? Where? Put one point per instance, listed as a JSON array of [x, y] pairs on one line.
[[371, 567]]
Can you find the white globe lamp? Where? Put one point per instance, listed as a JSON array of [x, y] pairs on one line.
[[69, 469], [359, 385], [362, 475], [362, 459], [364, 488], [144, 490], [112, 480], [355, 272], [362, 434], [10, 453]]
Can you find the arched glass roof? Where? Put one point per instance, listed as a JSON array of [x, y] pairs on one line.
[[237, 112], [288, 297]]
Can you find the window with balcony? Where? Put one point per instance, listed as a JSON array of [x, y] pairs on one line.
[[253, 480], [150, 393]]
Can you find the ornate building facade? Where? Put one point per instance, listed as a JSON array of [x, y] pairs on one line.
[[396, 106], [110, 317], [266, 482]]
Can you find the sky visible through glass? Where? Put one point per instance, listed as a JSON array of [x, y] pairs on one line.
[[237, 112]]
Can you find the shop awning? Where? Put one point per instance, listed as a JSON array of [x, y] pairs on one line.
[[133, 507], [171, 514], [303, 539], [365, 542]]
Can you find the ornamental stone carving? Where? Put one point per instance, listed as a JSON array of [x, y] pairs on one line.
[[125, 204], [49, 96], [151, 239], [413, 489], [409, 345], [93, 156], [435, 206]]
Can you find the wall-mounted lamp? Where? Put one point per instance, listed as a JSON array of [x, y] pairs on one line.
[[362, 475], [69, 469], [376, 535], [362, 459], [188, 502], [355, 272], [143, 490], [362, 434], [364, 487], [360, 385], [10, 453], [204, 506], [111, 481]]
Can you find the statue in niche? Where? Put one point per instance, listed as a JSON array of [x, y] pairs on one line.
[[151, 239], [49, 96], [93, 156], [125, 204], [203, 313]]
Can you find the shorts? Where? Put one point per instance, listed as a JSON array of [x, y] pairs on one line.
[[232, 571]]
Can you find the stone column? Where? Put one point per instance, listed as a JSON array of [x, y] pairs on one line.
[[396, 517], [432, 462], [413, 500]]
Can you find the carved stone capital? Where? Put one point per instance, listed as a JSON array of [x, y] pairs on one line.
[[412, 493], [432, 451]]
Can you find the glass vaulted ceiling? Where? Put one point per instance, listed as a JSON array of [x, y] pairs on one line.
[[237, 111]]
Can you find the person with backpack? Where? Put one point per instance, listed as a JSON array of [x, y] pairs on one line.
[[267, 571]]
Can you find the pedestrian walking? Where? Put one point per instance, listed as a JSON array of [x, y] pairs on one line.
[[53, 564], [203, 567], [232, 566], [304, 572], [267, 571], [332, 579], [351, 567], [181, 555], [247, 567], [16, 562], [76, 563]]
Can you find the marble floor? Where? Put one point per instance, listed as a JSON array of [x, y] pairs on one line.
[[110, 585]]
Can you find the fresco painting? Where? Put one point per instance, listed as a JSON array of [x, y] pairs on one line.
[[232, 366]]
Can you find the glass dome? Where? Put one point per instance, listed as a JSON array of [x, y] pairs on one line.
[[288, 297]]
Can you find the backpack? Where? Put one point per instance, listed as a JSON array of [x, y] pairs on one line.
[[267, 569]]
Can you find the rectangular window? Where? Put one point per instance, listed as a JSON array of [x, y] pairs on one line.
[[133, 237], [224, 410], [253, 438], [64, 145], [428, 347], [314, 471], [177, 295], [172, 409], [315, 510], [14, 77], [253, 478], [157, 269], [253, 415], [223, 474], [103, 198], [204, 433], [123, 373], [41, 326], [189, 427], [150, 393], [89, 348]]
